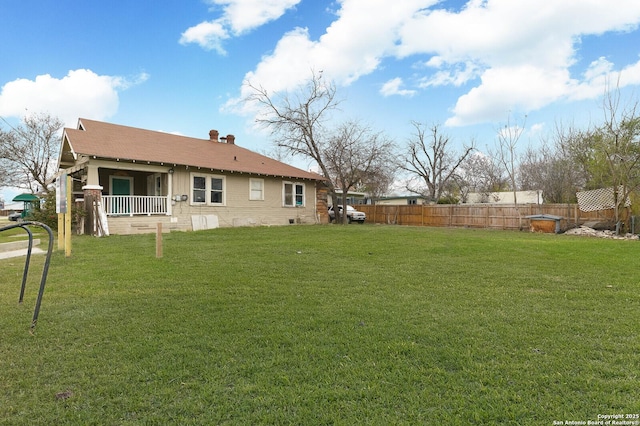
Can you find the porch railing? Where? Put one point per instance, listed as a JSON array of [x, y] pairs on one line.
[[130, 205]]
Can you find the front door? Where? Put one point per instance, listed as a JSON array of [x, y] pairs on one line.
[[121, 186]]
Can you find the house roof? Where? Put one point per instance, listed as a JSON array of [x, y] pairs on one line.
[[115, 142]]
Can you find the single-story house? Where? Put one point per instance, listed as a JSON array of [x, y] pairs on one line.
[[401, 200], [506, 197], [12, 207], [135, 178], [353, 198]]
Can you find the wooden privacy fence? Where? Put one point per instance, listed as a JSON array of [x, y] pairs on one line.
[[497, 216]]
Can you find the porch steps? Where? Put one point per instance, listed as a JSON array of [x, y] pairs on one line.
[[126, 225]]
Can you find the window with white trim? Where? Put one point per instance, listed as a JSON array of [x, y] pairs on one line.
[[256, 189], [216, 191], [199, 189], [293, 194], [207, 189]]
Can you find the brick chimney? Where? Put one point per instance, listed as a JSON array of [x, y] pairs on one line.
[[231, 139], [213, 135]]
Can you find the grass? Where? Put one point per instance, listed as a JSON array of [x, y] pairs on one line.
[[325, 325], [17, 234]]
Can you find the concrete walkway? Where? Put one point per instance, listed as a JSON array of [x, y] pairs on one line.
[[18, 248], [18, 253]]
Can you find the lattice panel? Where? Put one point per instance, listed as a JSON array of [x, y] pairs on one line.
[[598, 199]]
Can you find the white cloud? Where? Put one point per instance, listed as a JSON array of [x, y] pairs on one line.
[[456, 75], [245, 15], [536, 129], [209, 35], [522, 50], [81, 93], [238, 17], [392, 87], [630, 75], [352, 46], [506, 55], [503, 89], [601, 77]]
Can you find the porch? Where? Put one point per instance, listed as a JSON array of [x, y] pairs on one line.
[[132, 195], [134, 190]]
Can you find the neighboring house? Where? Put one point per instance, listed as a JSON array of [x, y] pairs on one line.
[[12, 208], [141, 177], [506, 197], [401, 200], [353, 198]]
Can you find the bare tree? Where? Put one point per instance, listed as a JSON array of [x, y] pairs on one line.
[[377, 181], [551, 169], [298, 121], [479, 173], [8, 169], [358, 158], [507, 156], [348, 157], [29, 151], [4, 167], [430, 158], [506, 153], [610, 152]]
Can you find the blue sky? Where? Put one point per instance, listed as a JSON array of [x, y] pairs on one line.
[[179, 66]]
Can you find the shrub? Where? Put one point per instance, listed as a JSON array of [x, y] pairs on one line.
[[45, 212]]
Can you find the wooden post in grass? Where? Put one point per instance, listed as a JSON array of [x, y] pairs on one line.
[[159, 240], [67, 219], [60, 231]]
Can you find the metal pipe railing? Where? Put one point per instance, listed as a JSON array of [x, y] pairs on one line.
[[45, 269]]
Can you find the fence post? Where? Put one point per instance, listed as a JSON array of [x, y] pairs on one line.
[[159, 240], [486, 217]]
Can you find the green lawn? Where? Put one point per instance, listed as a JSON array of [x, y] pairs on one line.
[[17, 234], [327, 325]]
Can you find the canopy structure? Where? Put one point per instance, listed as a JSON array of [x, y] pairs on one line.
[[27, 198]]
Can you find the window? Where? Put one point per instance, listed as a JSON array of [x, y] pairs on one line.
[[199, 189], [256, 189], [216, 191], [293, 194], [299, 195], [412, 201], [201, 185]]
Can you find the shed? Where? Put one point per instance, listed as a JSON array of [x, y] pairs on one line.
[[546, 223]]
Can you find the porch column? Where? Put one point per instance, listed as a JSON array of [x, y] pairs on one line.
[[92, 175], [92, 199], [169, 191]]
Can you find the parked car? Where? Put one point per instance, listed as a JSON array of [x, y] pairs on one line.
[[15, 216], [352, 214]]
